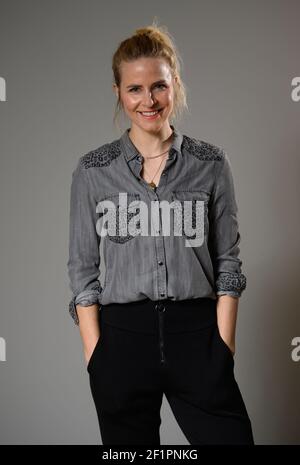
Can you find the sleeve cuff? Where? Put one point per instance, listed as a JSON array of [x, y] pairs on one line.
[[231, 283], [233, 294], [85, 299]]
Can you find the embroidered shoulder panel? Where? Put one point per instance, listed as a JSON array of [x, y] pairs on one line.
[[102, 156], [202, 150]]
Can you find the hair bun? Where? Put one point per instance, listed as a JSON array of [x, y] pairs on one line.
[[144, 31]]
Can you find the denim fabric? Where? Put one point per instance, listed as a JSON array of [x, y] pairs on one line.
[[159, 265]]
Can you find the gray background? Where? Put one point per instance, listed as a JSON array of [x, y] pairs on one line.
[[239, 59]]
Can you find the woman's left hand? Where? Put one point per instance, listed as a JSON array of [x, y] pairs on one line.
[[232, 350], [227, 308], [230, 344]]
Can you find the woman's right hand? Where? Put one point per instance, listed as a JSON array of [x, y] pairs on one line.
[[89, 327]]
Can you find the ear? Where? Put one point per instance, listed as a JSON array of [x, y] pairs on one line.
[[116, 89]]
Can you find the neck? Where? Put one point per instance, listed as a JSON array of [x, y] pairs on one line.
[[151, 143]]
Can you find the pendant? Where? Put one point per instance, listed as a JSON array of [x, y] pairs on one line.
[[152, 184]]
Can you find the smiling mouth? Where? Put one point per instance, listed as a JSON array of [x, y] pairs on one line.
[[153, 112]]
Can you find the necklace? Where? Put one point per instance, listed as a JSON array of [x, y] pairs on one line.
[[151, 183], [156, 156]]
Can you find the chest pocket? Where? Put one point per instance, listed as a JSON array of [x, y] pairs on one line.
[[193, 216], [119, 216]]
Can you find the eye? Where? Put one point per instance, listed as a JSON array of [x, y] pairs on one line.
[[133, 89]]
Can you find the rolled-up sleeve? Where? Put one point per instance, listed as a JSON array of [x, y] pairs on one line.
[[224, 237], [84, 255]]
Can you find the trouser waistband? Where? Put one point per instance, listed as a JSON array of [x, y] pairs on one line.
[[178, 316]]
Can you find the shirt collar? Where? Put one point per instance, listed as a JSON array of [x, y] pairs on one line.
[[130, 150]]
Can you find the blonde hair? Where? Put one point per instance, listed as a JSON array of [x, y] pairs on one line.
[[155, 42]]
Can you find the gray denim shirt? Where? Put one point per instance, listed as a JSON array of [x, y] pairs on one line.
[[159, 264]]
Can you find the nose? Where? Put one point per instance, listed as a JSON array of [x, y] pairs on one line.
[[148, 99]]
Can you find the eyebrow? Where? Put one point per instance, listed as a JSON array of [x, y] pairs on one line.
[[161, 81]]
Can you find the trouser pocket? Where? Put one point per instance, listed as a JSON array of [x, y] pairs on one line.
[[95, 351], [222, 343]]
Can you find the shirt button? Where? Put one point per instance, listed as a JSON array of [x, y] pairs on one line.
[[160, 263]]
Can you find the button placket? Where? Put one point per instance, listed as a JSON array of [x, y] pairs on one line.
[[160, 251]]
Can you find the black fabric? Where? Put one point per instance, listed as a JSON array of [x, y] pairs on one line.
[[145, 351]]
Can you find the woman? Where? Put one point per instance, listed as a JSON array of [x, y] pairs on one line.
[[169, 301]]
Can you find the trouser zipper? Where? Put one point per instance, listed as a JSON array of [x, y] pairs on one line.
[[161, 309]]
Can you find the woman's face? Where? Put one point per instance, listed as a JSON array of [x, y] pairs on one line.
[[147, 84]]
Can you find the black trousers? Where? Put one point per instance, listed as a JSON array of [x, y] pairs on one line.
[[147, 349]]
